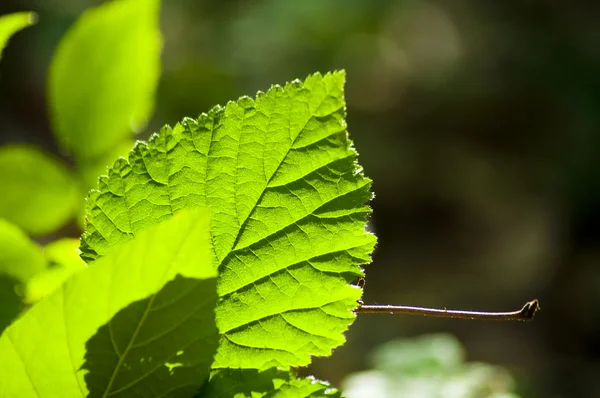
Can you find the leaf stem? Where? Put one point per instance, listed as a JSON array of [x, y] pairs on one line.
[[524, 314]]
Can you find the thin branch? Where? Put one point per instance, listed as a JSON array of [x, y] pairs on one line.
[[524, 314]]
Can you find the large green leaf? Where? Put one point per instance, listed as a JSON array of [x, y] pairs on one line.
[[270, 383], [289, 204], [138, 322], [104, 75], [12, 23], [39, 192], [20, 260]]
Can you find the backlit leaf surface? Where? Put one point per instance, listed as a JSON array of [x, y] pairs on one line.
[[137, 322], [289, 202]]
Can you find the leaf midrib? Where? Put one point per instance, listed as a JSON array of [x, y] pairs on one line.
[[129, 346], [258, 199]]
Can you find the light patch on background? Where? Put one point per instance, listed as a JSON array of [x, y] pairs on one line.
[[377, 71], [428, 37]]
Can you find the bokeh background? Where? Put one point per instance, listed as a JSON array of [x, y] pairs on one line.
[[479, 122]]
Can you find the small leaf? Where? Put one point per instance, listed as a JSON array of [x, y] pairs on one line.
[[271, 383], [289, 205], [19, 257], [20, 260], [144, 312], [63, 261], [12, 23], [39, 193], [12, 304], [104, 75]]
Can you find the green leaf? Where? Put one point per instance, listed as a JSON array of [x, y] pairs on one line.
[[104, 75], [271, 383], [20, 259], [140, 319], [63, 261], [289, 205], [12, 304], [39, 193], [12, 23]]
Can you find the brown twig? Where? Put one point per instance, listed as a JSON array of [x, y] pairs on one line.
[[524, 314]]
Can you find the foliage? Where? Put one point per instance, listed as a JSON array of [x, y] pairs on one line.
[[27, 169], [20, 260], [287, 236], [12, 23], [215, 259], [287, 201], [62, 261], [289, 213], [121, 70], [139, 321], [428, 367], [100, 89]]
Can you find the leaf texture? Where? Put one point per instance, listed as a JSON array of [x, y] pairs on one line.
[[289, 202]]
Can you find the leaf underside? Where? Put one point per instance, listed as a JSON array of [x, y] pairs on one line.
[[289, 209]]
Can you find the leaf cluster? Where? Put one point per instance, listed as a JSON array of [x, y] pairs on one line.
[[215, 258]]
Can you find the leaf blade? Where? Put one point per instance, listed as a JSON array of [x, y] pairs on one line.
[[41, 193], [288, 231], [20, 260], [46, 361], [63, 261], [12, 23], [103, 77]]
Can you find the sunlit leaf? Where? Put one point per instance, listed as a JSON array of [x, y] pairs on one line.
[[63, 261], [20, 260], [39, 192], [104, 75], [289, 204], [12, 23], [137, 322]]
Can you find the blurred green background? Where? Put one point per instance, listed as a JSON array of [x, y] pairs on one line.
[[479, 122]]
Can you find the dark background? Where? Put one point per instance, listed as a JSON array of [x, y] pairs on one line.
[[479, 122]]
